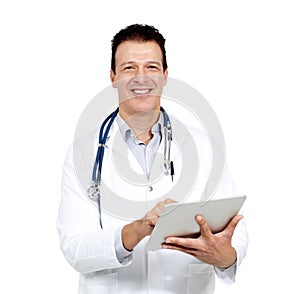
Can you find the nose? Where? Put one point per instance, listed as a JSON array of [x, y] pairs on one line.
[[140, 75]]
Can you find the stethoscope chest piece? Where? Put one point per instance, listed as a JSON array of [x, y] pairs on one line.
[[94, 191]]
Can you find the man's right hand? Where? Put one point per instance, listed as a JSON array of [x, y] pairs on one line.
[[134, 232]]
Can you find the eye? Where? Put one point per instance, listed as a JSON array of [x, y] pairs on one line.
[[128, 68], [153, 67]]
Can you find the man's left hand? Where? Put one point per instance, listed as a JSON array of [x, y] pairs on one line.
[[214, 249]]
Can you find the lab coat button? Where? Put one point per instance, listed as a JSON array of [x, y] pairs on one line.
[[150, 188]]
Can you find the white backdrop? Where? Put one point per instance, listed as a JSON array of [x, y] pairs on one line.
[[243, 56]]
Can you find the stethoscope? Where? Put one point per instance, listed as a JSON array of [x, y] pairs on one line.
[[94, 189]]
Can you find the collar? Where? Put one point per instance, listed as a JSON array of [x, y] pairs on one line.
[[127, 133]]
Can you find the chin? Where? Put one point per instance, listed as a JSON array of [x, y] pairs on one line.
[[143, 104]]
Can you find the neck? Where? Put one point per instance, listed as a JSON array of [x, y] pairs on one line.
[[141, 123]]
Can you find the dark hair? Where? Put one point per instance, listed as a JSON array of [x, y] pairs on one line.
[[139, 33]]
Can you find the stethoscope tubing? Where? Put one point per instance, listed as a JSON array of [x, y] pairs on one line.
[[94, 190], [102, 141]]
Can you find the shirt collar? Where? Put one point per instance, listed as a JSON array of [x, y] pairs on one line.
[[127, 132]]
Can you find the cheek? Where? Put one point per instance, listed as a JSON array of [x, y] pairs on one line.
[[123, 92], [121, 81]]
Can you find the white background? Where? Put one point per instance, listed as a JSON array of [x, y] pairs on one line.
[[243, 56]]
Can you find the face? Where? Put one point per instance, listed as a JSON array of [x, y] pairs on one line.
[[139, 77]]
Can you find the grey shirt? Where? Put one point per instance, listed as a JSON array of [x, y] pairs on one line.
[[144, 154]]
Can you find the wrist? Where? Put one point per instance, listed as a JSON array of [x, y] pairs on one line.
[[131, 235], [230, 262]]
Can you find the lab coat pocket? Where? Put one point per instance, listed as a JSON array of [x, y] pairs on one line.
[[97, 284], [201, 279]]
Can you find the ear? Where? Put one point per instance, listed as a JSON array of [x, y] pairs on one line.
[[166, 73], [113, 79]]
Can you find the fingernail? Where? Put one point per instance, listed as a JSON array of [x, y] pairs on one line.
[[199, 217], [168, 241]]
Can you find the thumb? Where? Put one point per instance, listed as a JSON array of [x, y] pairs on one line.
[[204, 227], [232, 225]]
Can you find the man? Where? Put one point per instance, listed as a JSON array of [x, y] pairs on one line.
[[112, 258]]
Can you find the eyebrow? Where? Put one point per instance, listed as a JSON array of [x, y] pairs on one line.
[[133, 62]]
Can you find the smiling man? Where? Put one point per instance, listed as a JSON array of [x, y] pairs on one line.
[[112, 258], [139, 72]]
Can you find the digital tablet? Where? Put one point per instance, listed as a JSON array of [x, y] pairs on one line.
[[179, 219]]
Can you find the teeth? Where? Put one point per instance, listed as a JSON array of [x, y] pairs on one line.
[[141, 91]]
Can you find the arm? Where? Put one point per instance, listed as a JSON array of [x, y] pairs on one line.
[[233, 240], [85, 246]]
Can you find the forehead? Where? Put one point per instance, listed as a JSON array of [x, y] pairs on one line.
[[138, 51]]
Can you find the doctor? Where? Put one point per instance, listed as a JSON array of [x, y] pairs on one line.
[[111, 258]]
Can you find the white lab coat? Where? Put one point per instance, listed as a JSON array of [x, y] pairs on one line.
[[91, 251]]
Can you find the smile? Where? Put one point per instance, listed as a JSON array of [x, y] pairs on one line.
[[141, 91]]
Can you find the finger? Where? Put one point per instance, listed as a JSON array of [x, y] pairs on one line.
[[150, 221], [179, 248], [232, 225], [158, 208], [180, 242], [204, 227], [160, 205], [169, 201], [153, 221]]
